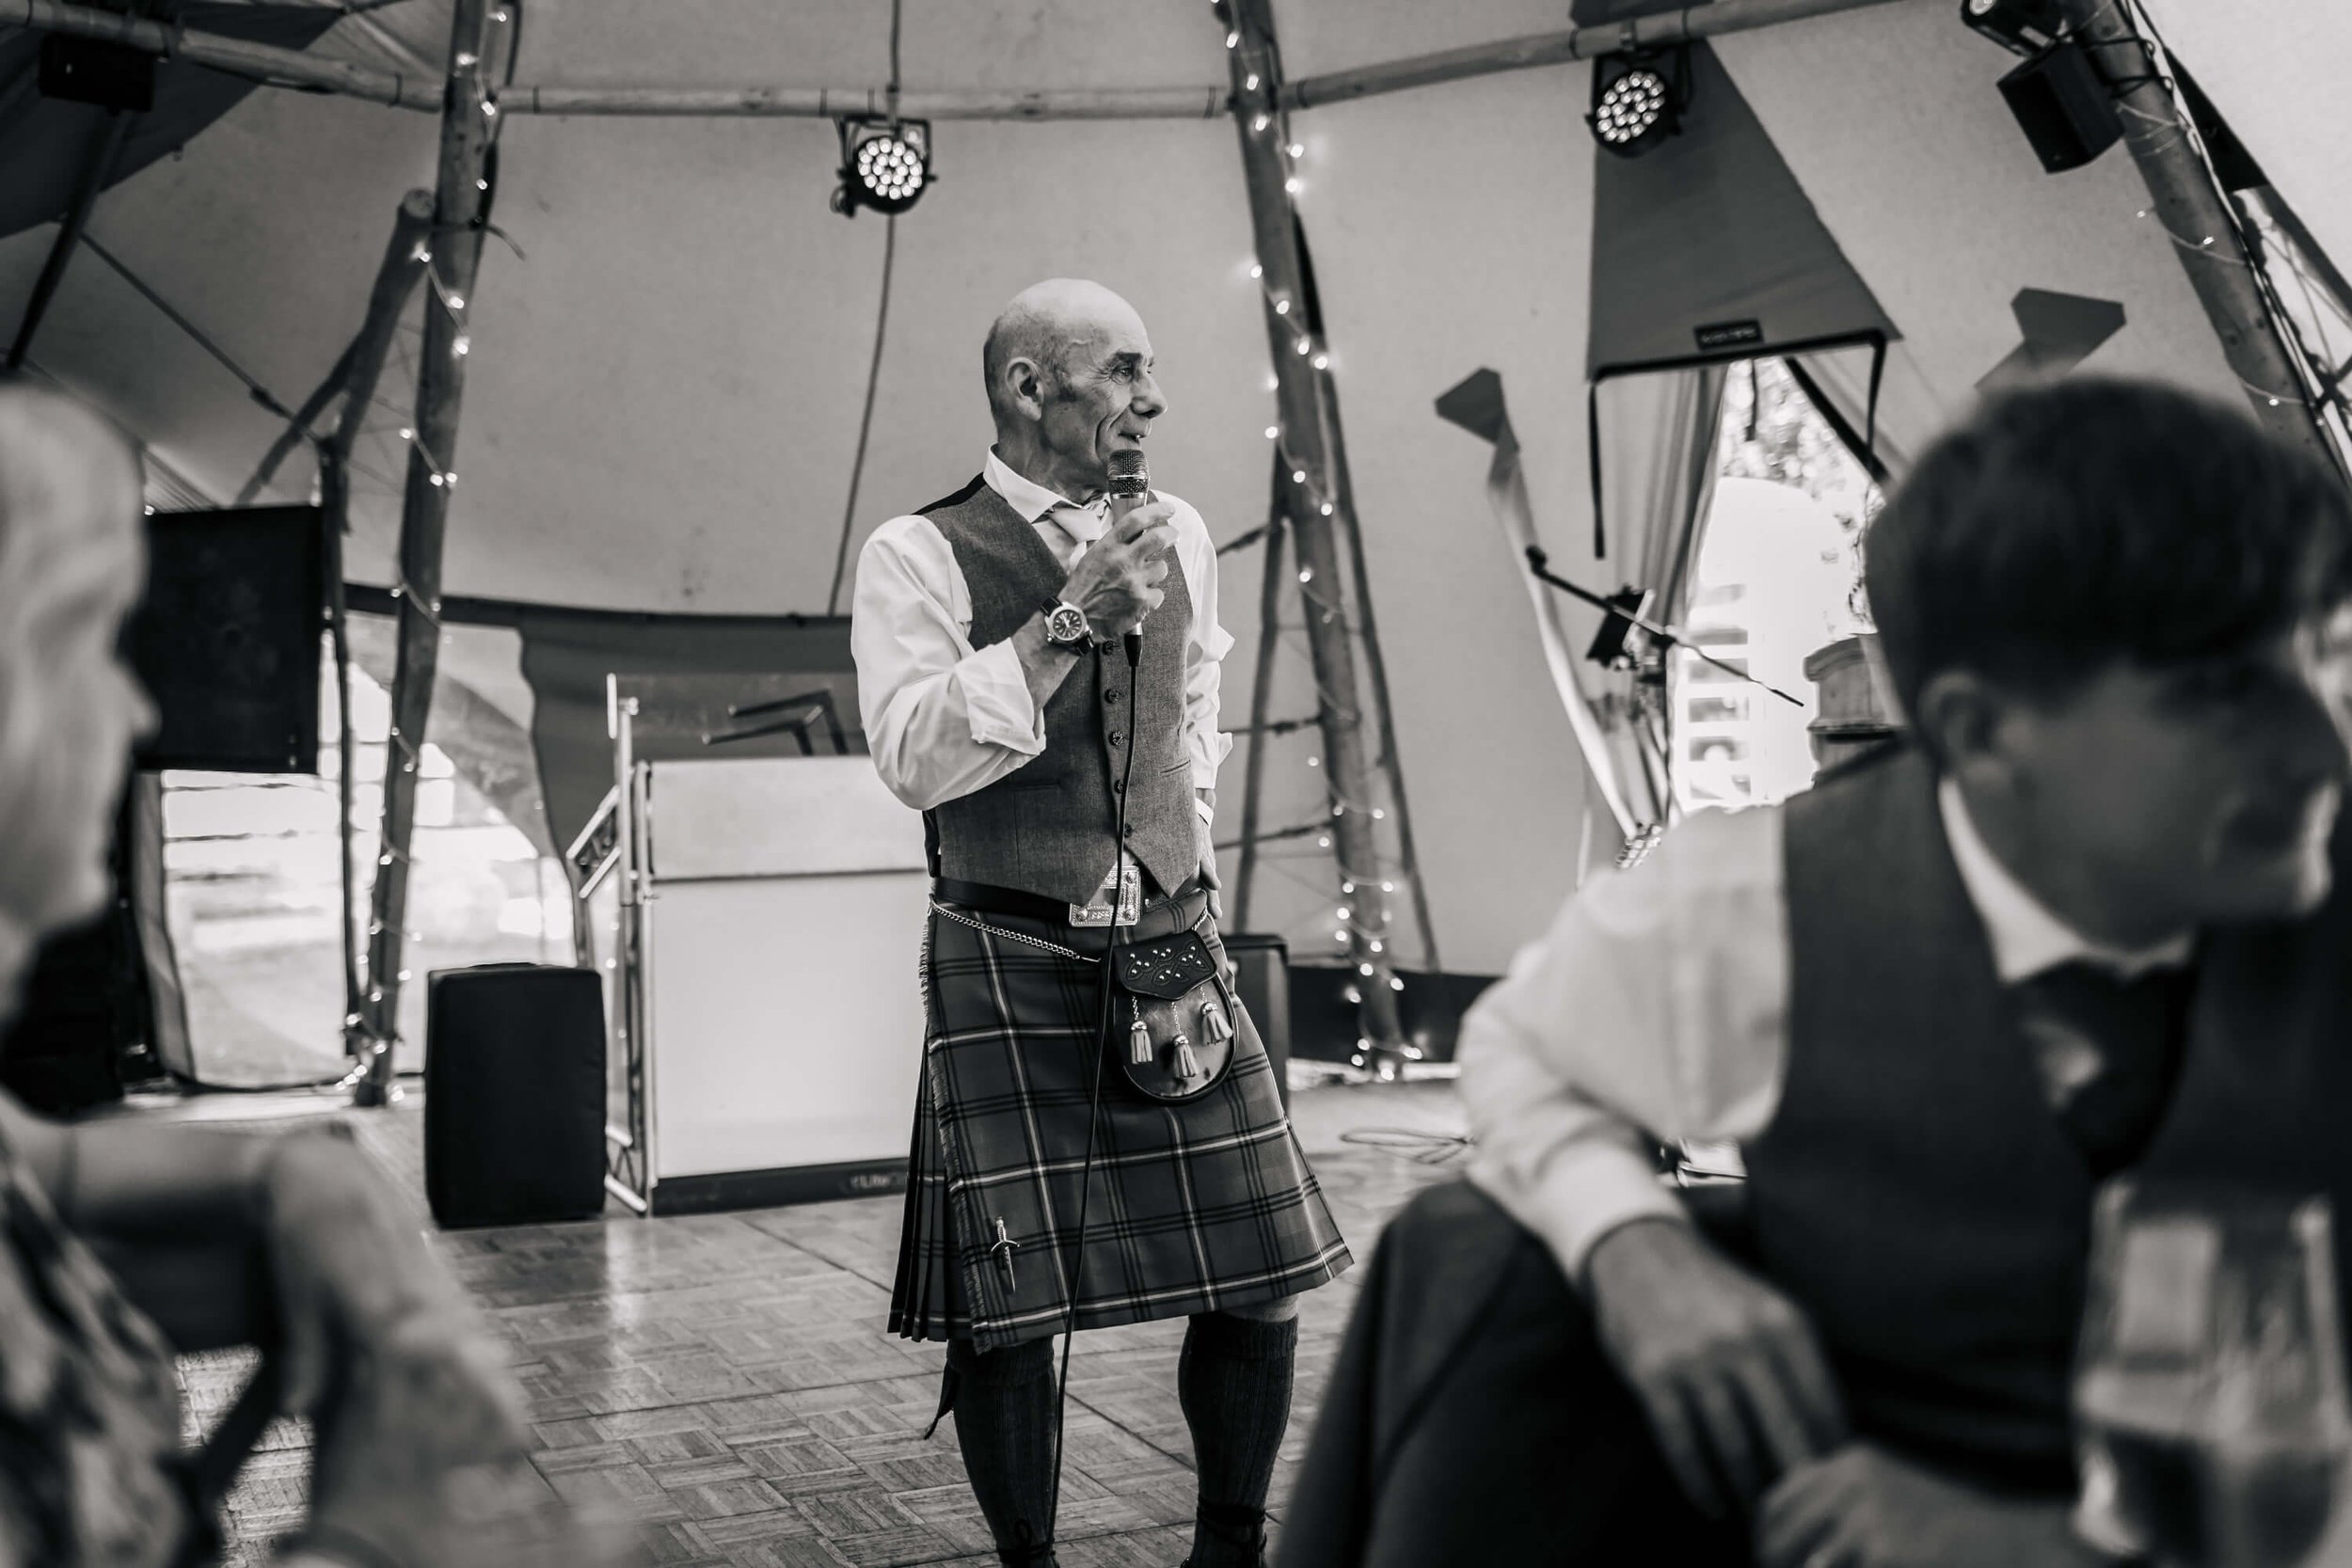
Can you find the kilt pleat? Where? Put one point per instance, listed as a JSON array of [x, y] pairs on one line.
[[1194, 1207]]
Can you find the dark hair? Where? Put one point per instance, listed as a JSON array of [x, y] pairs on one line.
[[2064, 527]]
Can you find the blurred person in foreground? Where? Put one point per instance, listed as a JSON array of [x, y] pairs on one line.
[[2089, 918], [123, 1241]]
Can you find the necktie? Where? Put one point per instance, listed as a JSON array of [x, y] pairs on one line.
[[2109, 1050], [1085, 524]]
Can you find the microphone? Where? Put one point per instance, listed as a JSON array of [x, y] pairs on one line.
[[1130, 487]]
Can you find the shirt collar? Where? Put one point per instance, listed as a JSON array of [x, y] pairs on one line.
[[2028, 939], [1027, 497]]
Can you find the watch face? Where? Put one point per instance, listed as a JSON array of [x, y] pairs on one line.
[[1067, 624]]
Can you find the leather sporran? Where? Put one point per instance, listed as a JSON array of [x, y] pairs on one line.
[[1175, 1019]]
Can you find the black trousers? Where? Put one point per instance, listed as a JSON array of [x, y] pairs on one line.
[[1472, 1417]]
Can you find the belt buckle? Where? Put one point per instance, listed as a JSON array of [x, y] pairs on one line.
[[1097, 913]]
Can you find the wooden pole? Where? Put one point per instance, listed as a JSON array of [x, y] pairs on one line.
[[105, 146], [1376, 666], [361, 367], [2186, 201], [769, 103], [450, 256], [1535, 50], [262, 62], [1261, 699], [297, 429], [1311, 503], [294, 68]]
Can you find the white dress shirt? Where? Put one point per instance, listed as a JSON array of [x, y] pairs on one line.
[[944, 719], [1656, 1009]]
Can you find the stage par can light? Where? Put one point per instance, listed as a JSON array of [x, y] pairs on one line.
[[885, 165], [1638, 100], [2021, 26]]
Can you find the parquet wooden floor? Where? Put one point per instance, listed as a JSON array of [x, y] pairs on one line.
[[726, 1378]]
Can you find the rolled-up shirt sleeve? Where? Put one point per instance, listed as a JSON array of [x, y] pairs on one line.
[[942, 718], [1654, 1010]]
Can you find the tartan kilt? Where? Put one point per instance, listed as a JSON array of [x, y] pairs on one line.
[[1196, 1206]]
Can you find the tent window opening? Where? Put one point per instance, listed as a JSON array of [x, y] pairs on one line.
[[252, 885], [1777, 576]]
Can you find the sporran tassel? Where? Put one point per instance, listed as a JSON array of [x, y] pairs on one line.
[[1138, 1036], [1188, 1064]]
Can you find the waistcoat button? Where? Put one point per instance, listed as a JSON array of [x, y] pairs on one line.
[[1117, 738]]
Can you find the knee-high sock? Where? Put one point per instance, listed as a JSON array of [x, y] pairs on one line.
[[1235, 1384], [1004, 1407]]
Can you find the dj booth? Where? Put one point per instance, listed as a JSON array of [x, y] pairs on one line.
[[756, 909]]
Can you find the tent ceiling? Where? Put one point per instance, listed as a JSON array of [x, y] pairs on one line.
[[664, 387]]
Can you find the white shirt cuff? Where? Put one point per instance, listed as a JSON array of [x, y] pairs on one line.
[[1208, 813], [1586, 1192], [996, 699]]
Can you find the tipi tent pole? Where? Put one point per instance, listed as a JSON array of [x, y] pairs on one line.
[[1376, 666], [1261, 695], [1535, 50], [105, 147], [452, 253], [2185, 198], [1311, 503], [363, 366]]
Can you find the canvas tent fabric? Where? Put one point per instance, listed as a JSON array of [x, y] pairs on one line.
[[669, 361]]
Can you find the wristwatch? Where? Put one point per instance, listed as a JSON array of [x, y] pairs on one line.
[[1066, 625]]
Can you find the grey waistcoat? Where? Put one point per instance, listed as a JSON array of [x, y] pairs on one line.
[[1048, 827]]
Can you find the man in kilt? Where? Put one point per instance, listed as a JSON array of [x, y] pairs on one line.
[[998, 699]]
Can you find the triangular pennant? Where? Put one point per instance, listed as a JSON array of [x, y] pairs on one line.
[[1706, 246]]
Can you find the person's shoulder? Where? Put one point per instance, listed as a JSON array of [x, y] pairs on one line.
[[910, 531], [1183, 516], [1718, 848]]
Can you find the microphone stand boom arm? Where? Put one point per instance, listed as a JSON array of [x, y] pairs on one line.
[[1539, 564]]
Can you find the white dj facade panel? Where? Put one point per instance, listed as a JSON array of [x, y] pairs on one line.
[[783, 931]]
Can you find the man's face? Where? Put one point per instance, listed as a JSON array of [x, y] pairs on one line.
[[2201, 793], [1103, 399]]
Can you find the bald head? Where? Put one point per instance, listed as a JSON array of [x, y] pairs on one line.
[[1055, 326]]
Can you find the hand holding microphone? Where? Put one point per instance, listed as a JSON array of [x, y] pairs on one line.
[[1117, 582]]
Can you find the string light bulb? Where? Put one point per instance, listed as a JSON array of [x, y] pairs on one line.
[[1274, 432], [1257, 269], [1249, 83], [1292, 186], [1259, 123], [1297, 150], [1232, 40], [1281, 307], [1323, 362], [463, 345]]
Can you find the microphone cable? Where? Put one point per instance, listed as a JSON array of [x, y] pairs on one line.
[[1133, 641]]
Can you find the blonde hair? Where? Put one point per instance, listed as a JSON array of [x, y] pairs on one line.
[[68, 491]]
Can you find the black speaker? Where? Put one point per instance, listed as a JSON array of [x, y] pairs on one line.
[[514, 1095], [97, 71], [227, 639], [1263, 984], [2064, 106]]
